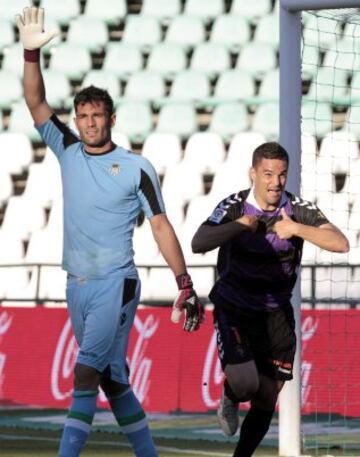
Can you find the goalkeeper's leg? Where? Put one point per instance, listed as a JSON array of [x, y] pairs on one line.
[[130, 416]]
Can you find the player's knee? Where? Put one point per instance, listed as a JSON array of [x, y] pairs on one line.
[[112, 388], [267, 395], [243, 380], [86, 378]]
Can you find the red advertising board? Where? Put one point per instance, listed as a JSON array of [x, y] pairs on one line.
[[170, 369]]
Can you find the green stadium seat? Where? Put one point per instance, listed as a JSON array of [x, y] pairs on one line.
[[164, 10], [167, 59], [251, 10], [329, 84], [249, 59], [134, 119], [7, 35], [21, 121], [62, 11], [71, 59], [210, 58], [9, 8], [58, 88], [163, 150], [266, 120], [233, 85], [178, 118], [145, 85], [204, 151], [142, 31], [268, 30], [228, 119], [15, 163], [207, 11], [189, 85], [317, 118]]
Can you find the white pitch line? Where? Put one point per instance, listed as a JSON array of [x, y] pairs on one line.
[[174, 450]]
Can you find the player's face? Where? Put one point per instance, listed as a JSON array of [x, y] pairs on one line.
[[94, 124], [269, 179]]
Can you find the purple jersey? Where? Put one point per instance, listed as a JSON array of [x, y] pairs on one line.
[[259, 270]]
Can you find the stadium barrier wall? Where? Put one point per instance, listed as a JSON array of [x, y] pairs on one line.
[[170, 369]]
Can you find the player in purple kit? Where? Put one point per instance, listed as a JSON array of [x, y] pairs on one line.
[[260, 232]]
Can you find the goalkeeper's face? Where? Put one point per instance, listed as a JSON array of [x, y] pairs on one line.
[[269, 179], [94, 124]]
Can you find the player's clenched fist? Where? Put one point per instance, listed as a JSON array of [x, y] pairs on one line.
[[251, 222], [31, 28], [187, 301]]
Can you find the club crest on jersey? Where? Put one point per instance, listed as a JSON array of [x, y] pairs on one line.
[[114, 169], [217, 215]]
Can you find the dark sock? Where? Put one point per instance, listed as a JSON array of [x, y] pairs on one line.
[[253, 429]]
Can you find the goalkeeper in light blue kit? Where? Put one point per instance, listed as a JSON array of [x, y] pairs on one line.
[[105, 187]]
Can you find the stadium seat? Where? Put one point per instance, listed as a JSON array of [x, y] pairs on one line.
[[328, 84], [23, 216], [7, 36], [309, 256], [197, 212], [167, 59], [268, 30], [332, 282], [173, 188], [190, 85], [203, 278], [121, 140], [11, 248], [9, 8], [13, 59], [306, 282], [354, 181], [164, 10], [270, 86], [17, 153], [62, 11], [250, 10], [227, 180], [105, 80], [14, 90], [210, 58], [52, 284], [73, 60], [230, 30], [145, 247], [316, 118], [241, 148], [58, 88], [204, 151], [161, 284], [142, 31], [145, 85], [163, 150], [308, 152], [266, 120], [342, 56], [341, 148], [134, 119], [354, 89], [205, 10], [249, 58], [6, 186], [321, 31], [43, 185], [21, 121], [122, 59], [354, 218], [187, 31], [324, 177], [144, 278], [233, 85], [17, 283], [352, 120], [178, 118], [81, 28], [310, 62], [228, 119], [112, 11], [336, 207], [45, 246]]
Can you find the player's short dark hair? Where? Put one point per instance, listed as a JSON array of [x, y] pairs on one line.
[[270, 150], [94, 94]]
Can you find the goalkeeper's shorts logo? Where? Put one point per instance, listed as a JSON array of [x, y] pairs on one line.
[[114, 169]]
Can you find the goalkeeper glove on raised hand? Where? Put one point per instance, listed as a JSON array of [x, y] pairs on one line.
[[31, 28], [187, 301]]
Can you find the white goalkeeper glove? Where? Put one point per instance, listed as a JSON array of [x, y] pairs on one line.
[[187, 301], [31, 28]]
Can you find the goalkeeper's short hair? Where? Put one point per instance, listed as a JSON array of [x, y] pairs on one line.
[[270, 150], [94, 94]]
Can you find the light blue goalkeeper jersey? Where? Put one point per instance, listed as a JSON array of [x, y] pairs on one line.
[[103, 196]]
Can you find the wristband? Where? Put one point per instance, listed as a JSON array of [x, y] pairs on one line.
[[32, 55], [184, 281]]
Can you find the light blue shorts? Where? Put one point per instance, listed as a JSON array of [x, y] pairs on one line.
[[102, 312]]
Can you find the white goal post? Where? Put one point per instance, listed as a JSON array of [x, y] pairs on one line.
[[290, 138]]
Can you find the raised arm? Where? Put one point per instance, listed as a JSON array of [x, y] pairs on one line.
[[32, 36]]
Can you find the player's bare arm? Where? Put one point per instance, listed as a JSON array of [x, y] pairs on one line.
[[33, 37], [209, 237], [186, 299], [326, 236]]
